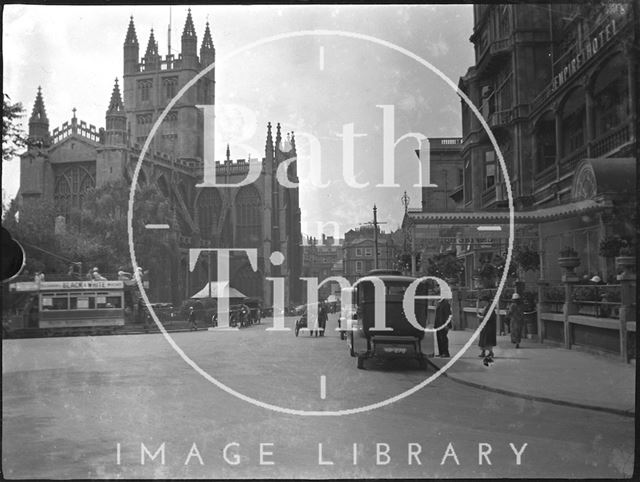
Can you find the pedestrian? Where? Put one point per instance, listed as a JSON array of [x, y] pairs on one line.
[[193, 323], [147, 320], [487, 339], [313, 322], [441, 323], [96, 275], [123, 275], [515, 316], [322, 318]]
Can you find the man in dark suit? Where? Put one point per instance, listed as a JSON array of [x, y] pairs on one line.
[[443, 312]]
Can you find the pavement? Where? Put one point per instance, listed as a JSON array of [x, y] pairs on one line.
[[544, 372]]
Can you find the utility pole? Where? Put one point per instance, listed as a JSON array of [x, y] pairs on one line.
[[375, 224], [375, 237], [209, 273]]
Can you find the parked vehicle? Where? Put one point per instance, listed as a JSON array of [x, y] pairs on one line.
[[54, 308], [348, 312], [403, 340]]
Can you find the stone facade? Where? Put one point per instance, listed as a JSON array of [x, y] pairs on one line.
[[262, 215]]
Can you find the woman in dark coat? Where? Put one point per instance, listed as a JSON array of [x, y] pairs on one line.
[[516, 319], [487, 339]]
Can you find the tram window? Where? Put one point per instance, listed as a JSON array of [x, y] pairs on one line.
[[85, 302], [73, 303], [58, 303], [114, 302], [101, 300]]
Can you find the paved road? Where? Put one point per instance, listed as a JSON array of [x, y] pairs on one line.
[[69, 403]]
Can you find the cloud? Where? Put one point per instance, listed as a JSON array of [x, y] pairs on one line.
[[438, 48]]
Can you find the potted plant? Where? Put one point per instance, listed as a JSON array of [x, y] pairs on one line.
[[527, 259], [610, 246], [486, 274]]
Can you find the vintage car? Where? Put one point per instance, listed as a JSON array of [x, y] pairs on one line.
[[397, 337]]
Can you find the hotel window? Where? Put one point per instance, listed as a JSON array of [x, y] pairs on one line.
[[467, 181], [486, 107], [504, 28], [358, 251], [545, 139], [368, 251], [358, 266], [613, 106], [574, 127], [490, 173]]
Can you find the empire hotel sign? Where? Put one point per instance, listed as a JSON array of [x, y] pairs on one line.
[[587, 50]]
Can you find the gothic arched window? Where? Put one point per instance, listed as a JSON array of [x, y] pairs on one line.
[[70, 186], [208, 212], [248, 282], [248, 218]]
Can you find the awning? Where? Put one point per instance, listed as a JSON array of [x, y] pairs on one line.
[[491, 218], [219, 289]]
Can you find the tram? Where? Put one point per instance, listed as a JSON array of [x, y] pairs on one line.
[[50, 308]]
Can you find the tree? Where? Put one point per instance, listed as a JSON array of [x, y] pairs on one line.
[[13, 137], [33, 229], [97, 233], [445, 266]]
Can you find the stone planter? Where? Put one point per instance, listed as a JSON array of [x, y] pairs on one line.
[[569, 264], [627, 264]]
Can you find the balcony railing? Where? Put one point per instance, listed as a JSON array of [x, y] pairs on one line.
[[611, 140], [569, 162], [489, 195], [599, 301], [545, 177]]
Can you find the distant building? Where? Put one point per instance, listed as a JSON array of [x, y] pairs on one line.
[[359, 252], [76, 157], [319, 260]]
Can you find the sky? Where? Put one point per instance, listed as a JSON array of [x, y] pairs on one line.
[[315, 85]]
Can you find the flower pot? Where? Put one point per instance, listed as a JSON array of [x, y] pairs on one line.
[[569, 264], [627, 264]]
